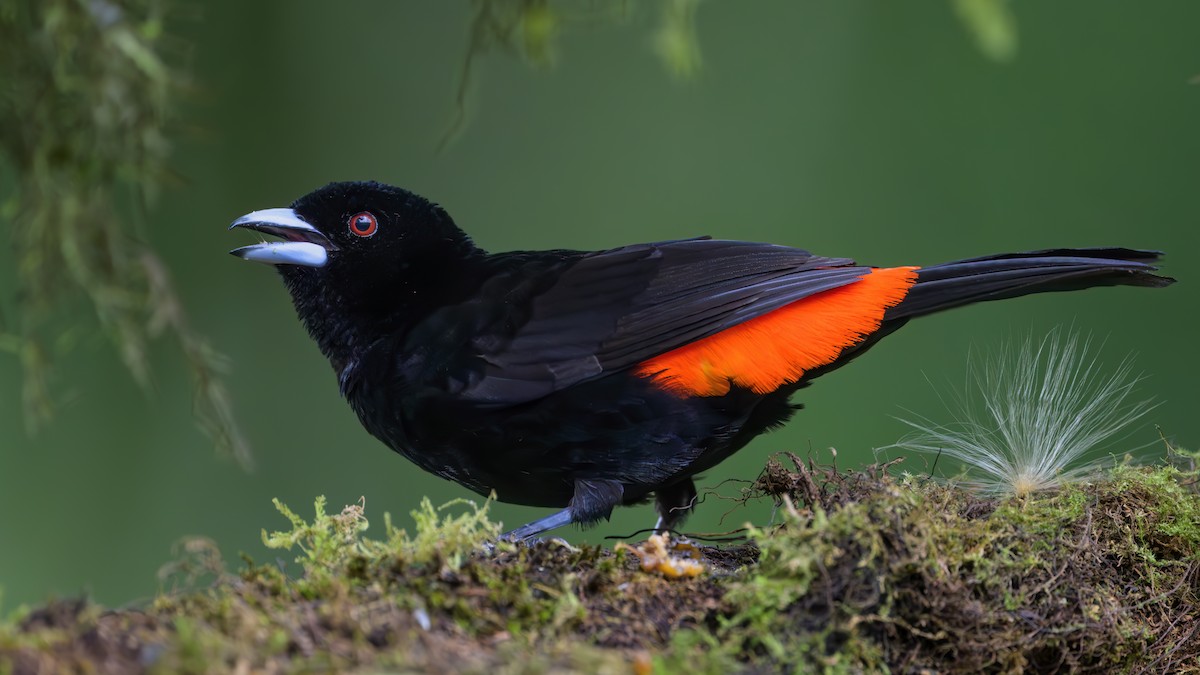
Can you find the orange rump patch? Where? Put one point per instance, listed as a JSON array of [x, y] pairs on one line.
[[778, 347]]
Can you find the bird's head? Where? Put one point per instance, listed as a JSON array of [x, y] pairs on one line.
[[351, 232], [358, 253]]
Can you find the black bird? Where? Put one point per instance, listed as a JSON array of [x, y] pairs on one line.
[[585, 380]]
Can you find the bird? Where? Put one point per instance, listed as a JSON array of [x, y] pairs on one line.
[[588, 380]]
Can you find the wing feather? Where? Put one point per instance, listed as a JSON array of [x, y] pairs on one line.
[[609, 311]]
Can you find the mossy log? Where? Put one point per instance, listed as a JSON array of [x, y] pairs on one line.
[[864, 572]]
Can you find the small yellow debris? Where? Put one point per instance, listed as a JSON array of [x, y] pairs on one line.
[[658, 554], [642, 664]]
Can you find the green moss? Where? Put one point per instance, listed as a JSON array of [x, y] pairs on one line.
[[862, 573], [87, 103]]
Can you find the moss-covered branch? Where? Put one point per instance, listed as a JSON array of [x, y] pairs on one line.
[[864, 572]]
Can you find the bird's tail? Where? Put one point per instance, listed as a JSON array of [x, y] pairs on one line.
[[1010, 275]]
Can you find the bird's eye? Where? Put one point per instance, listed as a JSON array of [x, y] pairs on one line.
[[363, 224]]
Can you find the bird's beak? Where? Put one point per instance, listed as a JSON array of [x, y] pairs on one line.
[[303, 245]]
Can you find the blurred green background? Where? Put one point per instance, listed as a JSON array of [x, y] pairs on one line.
[[873, 130]]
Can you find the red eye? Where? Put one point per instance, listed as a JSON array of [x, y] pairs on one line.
[[363, 224]]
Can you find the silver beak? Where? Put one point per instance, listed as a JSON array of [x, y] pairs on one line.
[[303, 244]]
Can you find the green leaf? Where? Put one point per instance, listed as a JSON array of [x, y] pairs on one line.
[[993, 26]]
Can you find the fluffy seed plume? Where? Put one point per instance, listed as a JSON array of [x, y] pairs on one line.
[[1034, 417]]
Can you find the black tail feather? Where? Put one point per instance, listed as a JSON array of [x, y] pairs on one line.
[[1011, 275]]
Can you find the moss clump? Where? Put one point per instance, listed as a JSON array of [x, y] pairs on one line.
[[864, 572], [868, 573]]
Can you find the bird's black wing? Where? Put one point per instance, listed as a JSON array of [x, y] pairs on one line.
[[607, 311]]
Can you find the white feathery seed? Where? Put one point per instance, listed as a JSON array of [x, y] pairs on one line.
[[1033, 418]]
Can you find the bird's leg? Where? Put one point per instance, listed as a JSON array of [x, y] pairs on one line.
[[593, 500], [673, 504], [531, 530]]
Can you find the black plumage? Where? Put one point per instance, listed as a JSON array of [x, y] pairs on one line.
[[518, 372]]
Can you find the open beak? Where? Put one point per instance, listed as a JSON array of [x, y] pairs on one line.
[[303, 244]]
